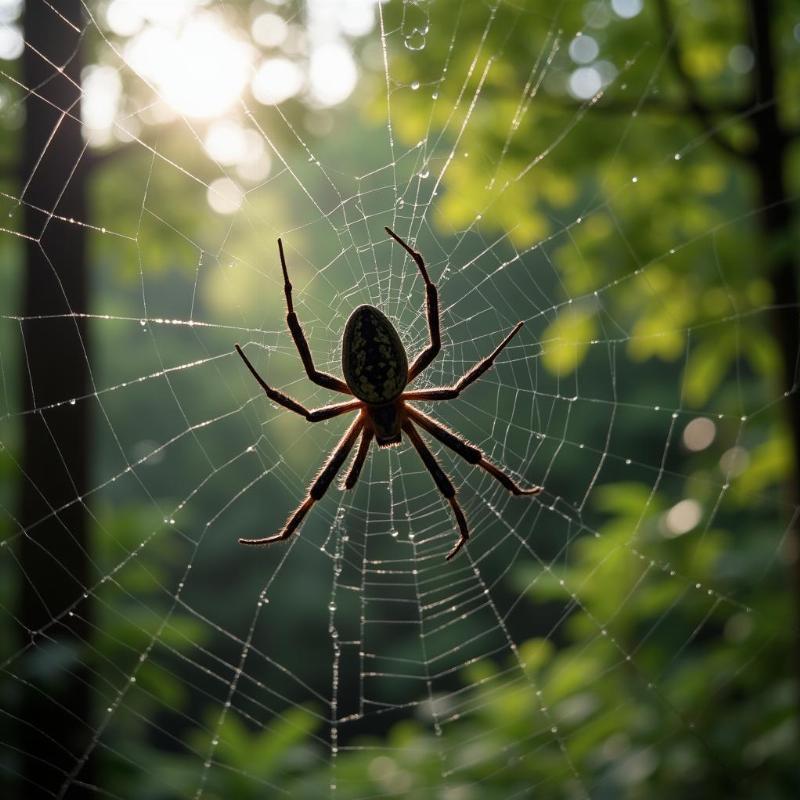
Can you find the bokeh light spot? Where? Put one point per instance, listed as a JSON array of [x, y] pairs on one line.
[[225, 196], [699, 434], [585, 83], [277, 80], [682, 517]]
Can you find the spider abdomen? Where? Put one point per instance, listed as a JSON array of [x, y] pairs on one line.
[[374, 361]]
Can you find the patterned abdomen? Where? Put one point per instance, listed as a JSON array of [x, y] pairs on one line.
[[374, 360]]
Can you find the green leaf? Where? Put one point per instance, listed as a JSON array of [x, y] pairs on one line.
[[566, 340], [707, 364]]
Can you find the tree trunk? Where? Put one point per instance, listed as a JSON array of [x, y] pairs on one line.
[[54, 557], [770, 162]]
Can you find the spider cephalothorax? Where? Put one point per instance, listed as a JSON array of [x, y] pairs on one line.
[[376, 372]]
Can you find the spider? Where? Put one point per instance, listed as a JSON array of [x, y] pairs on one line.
[[376, 372]]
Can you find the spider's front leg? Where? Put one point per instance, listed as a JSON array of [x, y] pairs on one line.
[[313, 414], [320, 378], [451, 392], [432, 302]]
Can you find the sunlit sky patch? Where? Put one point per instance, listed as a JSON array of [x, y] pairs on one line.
[[127, 17], [200, 69], [11, 41], [102, 88], [277, 80], [332, 73], [226, 142], [225, 196], [200, 66], [10, 10], [269, 30]]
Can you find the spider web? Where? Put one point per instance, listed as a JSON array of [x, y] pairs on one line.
[[196, 641]]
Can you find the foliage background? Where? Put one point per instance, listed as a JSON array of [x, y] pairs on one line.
[[642, 213]]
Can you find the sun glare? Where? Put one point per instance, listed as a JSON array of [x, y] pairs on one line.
[[200, 69]]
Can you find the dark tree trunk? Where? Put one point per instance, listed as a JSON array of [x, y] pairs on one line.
[[770, 161], [54, 556]]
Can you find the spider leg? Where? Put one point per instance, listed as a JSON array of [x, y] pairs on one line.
[[320, 378], [467, 451], [360, 458], [442, 482], [432, 297], [312, 415], [318, 487], [449, 392]]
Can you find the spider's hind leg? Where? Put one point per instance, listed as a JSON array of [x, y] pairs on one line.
[[358, 461], [288, 529], [318, 488], [468, 452], [443, 483]]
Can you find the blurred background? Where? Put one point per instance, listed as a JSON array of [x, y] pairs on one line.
[[622, 175]]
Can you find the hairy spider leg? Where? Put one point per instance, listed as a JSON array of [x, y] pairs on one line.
[[450, 392], [468, 452], [360, 458], [432, 301], [443, 483], [313, 414], [320, 378], [318, 487]]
